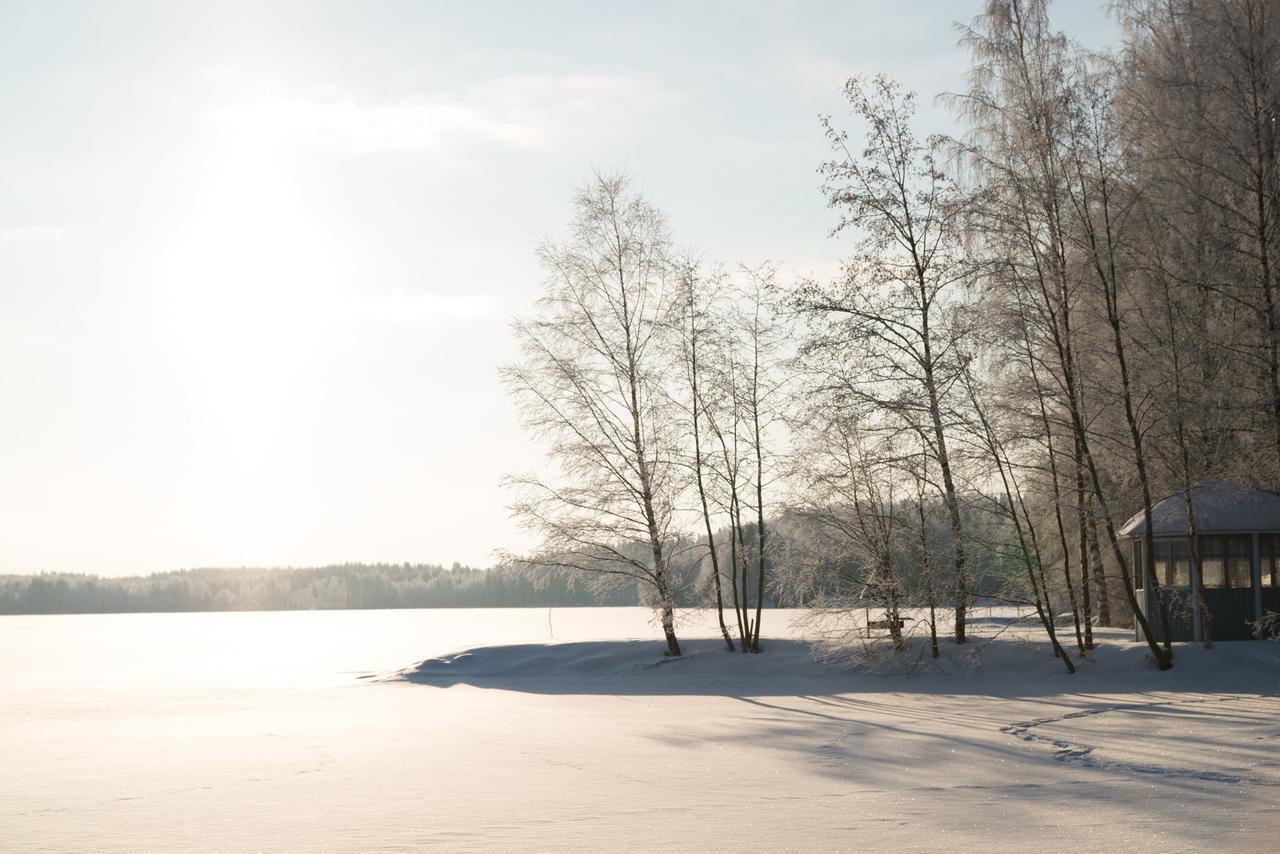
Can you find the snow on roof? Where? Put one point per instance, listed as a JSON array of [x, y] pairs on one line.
[[1220, 505]]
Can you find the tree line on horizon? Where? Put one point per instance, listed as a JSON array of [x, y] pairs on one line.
[[338, 587], [1045, 322]]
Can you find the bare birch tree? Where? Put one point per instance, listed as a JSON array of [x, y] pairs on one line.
[[1038, 147], [764, 334], [895, 303], [591, 384], [696, 325]]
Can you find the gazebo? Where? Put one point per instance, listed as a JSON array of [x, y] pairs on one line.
[[1237, 534]]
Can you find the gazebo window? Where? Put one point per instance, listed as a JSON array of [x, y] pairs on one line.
[[1161, 570], [1139, 568], [1172, 567], [1267, 559], [1179, 566], [1238, 573], [1212, 562]]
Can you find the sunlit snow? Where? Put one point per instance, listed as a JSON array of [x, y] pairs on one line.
[[377, 730]]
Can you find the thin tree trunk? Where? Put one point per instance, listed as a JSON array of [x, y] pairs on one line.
[[1184, 457], [1044, 609], [711, 549], [950, 497], [1057, 492], [737, 544], [760, 532], [1086, 604], [1099, 568], [743, 566], [1082, 525], [661, 582], [1107, 278], [697, 467], [1262, 120], [926, 572], [1163, 661], [733, 571]]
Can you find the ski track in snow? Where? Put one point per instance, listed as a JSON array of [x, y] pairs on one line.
[[1083, 754]]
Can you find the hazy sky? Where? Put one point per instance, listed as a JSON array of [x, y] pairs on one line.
[[257, 260]]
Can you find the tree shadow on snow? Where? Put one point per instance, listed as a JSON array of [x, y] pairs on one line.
[[995, 668]]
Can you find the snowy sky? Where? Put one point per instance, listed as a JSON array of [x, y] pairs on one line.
[[257, 260]]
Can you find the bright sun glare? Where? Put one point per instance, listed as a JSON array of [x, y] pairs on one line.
[[252, 284], [252, 300]]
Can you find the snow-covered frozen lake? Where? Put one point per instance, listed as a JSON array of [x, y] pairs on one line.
[[291, 732]]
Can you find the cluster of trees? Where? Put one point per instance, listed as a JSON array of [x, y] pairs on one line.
[[1056, 316], [332, 587], [653, 380]]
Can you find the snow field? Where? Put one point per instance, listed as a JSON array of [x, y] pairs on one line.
[[337, 731]]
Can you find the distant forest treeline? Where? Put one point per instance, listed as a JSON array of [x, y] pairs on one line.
[[330, 587], [525, 585]]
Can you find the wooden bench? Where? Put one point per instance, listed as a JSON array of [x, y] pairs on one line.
[[886, 623]]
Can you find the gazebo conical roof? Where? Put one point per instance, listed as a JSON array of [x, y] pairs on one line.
[[1222, 507]]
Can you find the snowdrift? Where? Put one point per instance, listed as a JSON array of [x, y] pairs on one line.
[[624, 666], [1008, 666]]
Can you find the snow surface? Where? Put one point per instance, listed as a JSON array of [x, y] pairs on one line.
[[316, 731]]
